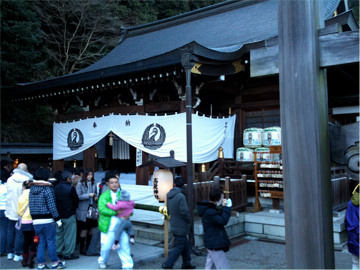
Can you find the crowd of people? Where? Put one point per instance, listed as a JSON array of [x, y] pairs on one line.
[[40, 213]]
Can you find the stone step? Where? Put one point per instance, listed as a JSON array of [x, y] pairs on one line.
[[145, 241], [148, 233]]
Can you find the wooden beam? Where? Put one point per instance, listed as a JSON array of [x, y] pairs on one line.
[[335, 49], [99, 112], [339, 49], [162, 106], [264, 61], [257, 104]]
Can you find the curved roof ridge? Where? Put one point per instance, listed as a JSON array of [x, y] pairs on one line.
[[188, 17]]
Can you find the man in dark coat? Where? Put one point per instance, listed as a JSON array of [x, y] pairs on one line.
[[67, 201], [215, 215], [6, 168], [180, 226]]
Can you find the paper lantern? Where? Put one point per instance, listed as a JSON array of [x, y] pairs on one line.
[[162, 183]]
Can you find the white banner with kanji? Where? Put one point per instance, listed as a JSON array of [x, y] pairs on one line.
[[156, 135]]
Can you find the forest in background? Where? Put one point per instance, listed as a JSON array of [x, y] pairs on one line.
[[49, 38]]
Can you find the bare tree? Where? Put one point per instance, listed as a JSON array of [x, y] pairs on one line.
[[77, 33]]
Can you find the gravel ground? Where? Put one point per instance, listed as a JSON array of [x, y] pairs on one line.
[[250, 255]]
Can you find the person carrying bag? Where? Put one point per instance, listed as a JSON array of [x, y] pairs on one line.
[[87, 212]]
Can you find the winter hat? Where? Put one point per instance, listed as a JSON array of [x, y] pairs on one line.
[[125, 196]]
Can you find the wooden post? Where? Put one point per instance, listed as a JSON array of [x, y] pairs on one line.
[[58, 165], [142, 175], [187, 64], [166, 233], [257, 204], [304, 128], [227, 187], [89, 158], [216, 181]]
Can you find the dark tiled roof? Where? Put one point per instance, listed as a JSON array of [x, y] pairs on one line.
[[222, 28], [225, 32]]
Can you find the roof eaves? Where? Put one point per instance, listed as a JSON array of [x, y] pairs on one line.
[[220, 53], [167, 59], [345, 18]]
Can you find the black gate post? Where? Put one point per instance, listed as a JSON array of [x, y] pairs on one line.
[[187, 64]]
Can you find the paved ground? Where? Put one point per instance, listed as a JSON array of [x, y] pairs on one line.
[[246, 253]]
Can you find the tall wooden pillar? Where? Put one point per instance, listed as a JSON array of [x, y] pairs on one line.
[[89, 158], [304, 127], [58, 165]]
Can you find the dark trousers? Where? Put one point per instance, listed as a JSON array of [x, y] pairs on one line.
[[29, 241], [4, 226], [181, 247], [15, 239]]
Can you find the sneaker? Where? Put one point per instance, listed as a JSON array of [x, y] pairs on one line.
[[59, 265], [10, 256], [102, 265], [44, 266], [115, 247], [132, 240], [18, 258]]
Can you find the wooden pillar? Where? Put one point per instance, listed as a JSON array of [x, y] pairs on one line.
[[58, 165], [89, 158], [142, 175], [304, 128], [187, 64], [227, 187]]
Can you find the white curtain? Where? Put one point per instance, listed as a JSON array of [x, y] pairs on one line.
[[156, 135]]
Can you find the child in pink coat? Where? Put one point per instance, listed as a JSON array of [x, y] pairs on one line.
[[127, 206]]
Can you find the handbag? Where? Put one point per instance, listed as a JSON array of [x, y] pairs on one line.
[[18, 223], [93, 212]]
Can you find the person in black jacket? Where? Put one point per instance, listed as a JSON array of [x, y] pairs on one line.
[[180, 226], [214, 219], [67, 201]]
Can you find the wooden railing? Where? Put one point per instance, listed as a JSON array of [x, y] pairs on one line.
[[339, 188], [235, 187], [225, 167]]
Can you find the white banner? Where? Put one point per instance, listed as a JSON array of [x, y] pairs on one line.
[[156, 135]]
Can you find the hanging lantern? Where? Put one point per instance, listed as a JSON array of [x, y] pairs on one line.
[[111, 139], [74, 163], [96, 153], [162, 183], [16, 163]]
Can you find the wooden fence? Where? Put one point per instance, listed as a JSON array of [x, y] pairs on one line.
[[236, 187]]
